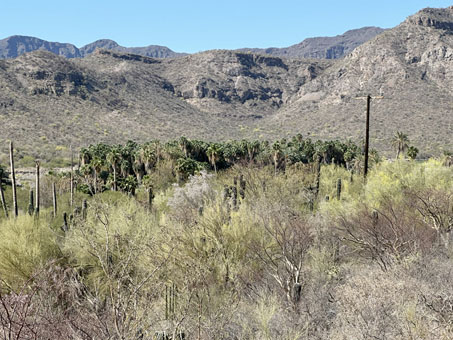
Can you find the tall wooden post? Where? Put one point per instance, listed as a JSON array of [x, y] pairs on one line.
[[13, 178], [37, 201], [367, 134]]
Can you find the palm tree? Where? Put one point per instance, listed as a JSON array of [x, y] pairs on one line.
[[213, 153], [184, 144], [400, 142], [97, 164], [276, 154], [114, 157]]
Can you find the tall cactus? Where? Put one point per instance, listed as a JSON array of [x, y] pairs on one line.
[[150, 198], [2, 198], [242, 185], [72, 178], [338, 189], [54, 200], [31, 205], [13, 178], [38, 198], [318, 176], [84, 209]]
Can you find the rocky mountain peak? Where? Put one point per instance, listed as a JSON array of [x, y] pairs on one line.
[[101, 43], [439, 18]]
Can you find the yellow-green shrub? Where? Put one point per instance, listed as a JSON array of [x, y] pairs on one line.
[[26, 244]]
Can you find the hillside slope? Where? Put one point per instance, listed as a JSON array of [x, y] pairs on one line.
[[47, 101]]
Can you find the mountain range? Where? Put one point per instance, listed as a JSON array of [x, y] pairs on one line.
[[17, 45], [48, 102], [321, 47]]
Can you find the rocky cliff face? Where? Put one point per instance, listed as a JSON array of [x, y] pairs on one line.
[[112, 96]]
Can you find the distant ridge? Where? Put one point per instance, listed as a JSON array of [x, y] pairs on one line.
[[16, 45], [320, 48], [323, 47]]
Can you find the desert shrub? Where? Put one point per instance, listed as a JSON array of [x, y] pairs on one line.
[[116, 251], [386, 235], [374, 305], [190, 198], [26, 245]]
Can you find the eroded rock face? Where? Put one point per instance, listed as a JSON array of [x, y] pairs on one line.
[[240, 78]]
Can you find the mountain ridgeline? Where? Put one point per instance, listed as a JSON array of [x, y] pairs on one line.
[[17, 45], [321, 47], [48, 101]]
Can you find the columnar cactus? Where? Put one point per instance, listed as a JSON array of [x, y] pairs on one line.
[[65, 227], [338, 189], [37, 201], [2, 198], [242, 185], [31, 204], [13, 178], [54, 200], [84, 209], [318, 176], [234, 196]]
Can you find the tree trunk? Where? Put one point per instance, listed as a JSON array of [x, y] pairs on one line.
[[13, 178], [114, 177], [95, 182]]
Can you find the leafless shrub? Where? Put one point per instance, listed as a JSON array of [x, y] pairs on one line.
[[436, 208], [190, 198], [287, 238], [386, 235]]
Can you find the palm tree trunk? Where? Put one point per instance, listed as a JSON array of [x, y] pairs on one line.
[[114, 177], [13, 178], [95, 182]]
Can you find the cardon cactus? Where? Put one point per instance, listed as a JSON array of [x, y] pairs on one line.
[[338, 189]]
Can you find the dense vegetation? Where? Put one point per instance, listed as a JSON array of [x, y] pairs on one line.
[[234, 240]]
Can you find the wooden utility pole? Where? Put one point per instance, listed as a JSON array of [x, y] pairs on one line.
[[13, 178], [367, 131], [367, 134]]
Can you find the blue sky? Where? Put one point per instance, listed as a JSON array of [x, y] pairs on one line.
[[197, 25]]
